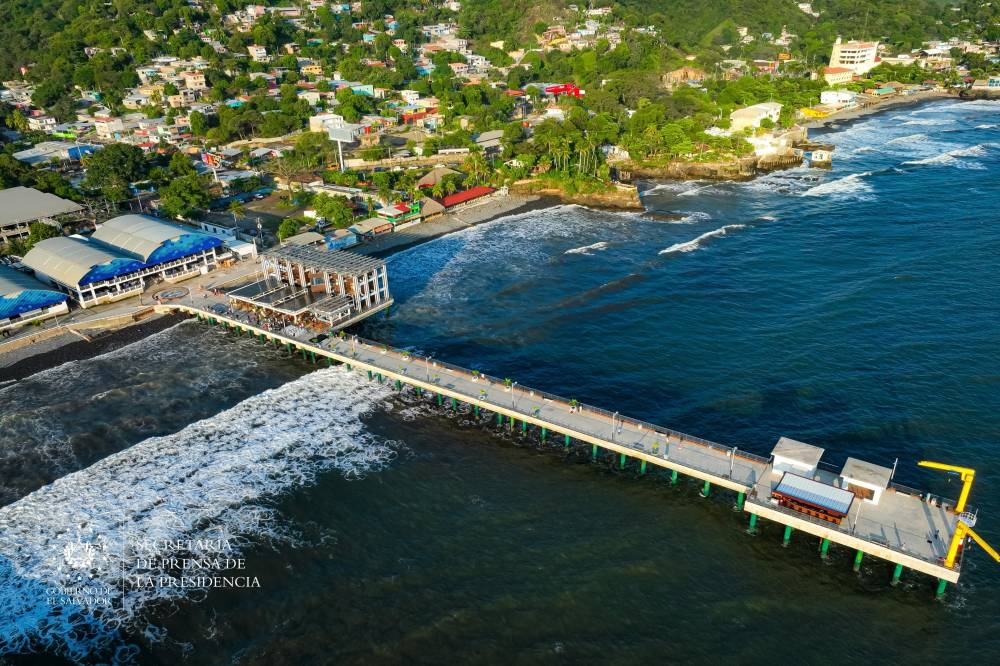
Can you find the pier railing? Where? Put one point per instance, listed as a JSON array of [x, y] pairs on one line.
[[694, 453]]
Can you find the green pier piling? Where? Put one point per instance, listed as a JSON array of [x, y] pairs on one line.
[[566, 439], [418, 390], [347, 365], [594, 452], [475, 409], [379, 375], [788, 536], [399, 385], [499, 419], [313, 355], [544, 433], [752, 529], [740, 498], [288, 347], [454, 404], [673, 477], [369, 375], [896, 574], [510, 423], [524, 427], [440, 399], [642, 467], [942, 585], [329, 362], [706, 489], [857, 561], [824, 547], [621, 465]]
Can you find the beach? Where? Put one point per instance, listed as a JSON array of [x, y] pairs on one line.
[[492, 209], [895, 102]]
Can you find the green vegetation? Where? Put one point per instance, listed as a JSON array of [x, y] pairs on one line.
[[112, 169]]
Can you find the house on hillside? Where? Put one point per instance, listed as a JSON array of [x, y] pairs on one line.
[[752, 116]]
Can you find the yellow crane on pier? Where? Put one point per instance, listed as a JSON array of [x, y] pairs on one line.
[[965, 519]]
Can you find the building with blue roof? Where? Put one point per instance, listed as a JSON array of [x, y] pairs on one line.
[[24, 299], [124, 256]]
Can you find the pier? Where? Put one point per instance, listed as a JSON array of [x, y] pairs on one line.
[[904, 526]]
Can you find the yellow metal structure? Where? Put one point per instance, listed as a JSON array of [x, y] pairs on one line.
[[967, 475], [961, 531]]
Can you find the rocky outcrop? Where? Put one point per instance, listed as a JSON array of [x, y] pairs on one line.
[[743, 168], [621, 197]]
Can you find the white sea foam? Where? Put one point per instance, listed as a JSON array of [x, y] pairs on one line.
[[954, 157], [933, 122], [694, 244], [695, 191], [987, 126], [207, 481], [866, 149], [694, 218], [852, 184], [909, 138], [588, 249]]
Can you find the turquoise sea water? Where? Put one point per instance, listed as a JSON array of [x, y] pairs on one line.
[[856, 309]]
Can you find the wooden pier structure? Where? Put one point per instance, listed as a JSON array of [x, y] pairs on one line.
[[911, 529]]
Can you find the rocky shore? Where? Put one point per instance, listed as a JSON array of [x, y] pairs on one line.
[[622, 197]]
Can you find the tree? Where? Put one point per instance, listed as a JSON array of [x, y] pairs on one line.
[[184, 196], [334, 210], [288, 227], [17, 121], [237, 208], [113, 168], [39, 231], [180, 166]]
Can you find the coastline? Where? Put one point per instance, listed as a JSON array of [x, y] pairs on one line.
[[46, 354], [850, 115], [513, 204]]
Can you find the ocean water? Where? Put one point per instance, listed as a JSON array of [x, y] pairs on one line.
[[856, 309]]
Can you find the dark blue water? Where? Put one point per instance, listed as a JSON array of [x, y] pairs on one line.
[[855, 309]]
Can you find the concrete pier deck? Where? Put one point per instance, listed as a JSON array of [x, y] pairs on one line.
[[903, 528]]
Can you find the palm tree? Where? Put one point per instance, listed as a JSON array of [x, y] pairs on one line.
[[237, 208], [437, 191]]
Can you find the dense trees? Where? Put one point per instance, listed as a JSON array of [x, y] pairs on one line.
[[113, 168]]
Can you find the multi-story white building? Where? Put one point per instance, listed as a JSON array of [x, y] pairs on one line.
[[859, 57], [258, 53]]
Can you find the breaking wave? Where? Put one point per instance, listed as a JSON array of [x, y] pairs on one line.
[[909, 138], [588, 249], [852, 184], [692, 245], [210, 480], [929, 121], [953, 157]]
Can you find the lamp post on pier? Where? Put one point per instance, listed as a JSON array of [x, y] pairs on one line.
[[614, 421], [427, 364]]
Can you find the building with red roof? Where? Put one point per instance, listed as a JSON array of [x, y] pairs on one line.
[[466, 195]]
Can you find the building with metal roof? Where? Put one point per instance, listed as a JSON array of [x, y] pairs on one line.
[[20, 206], [307, 283], [24, 299], [122, 259], [153, 241], [75, 262]]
